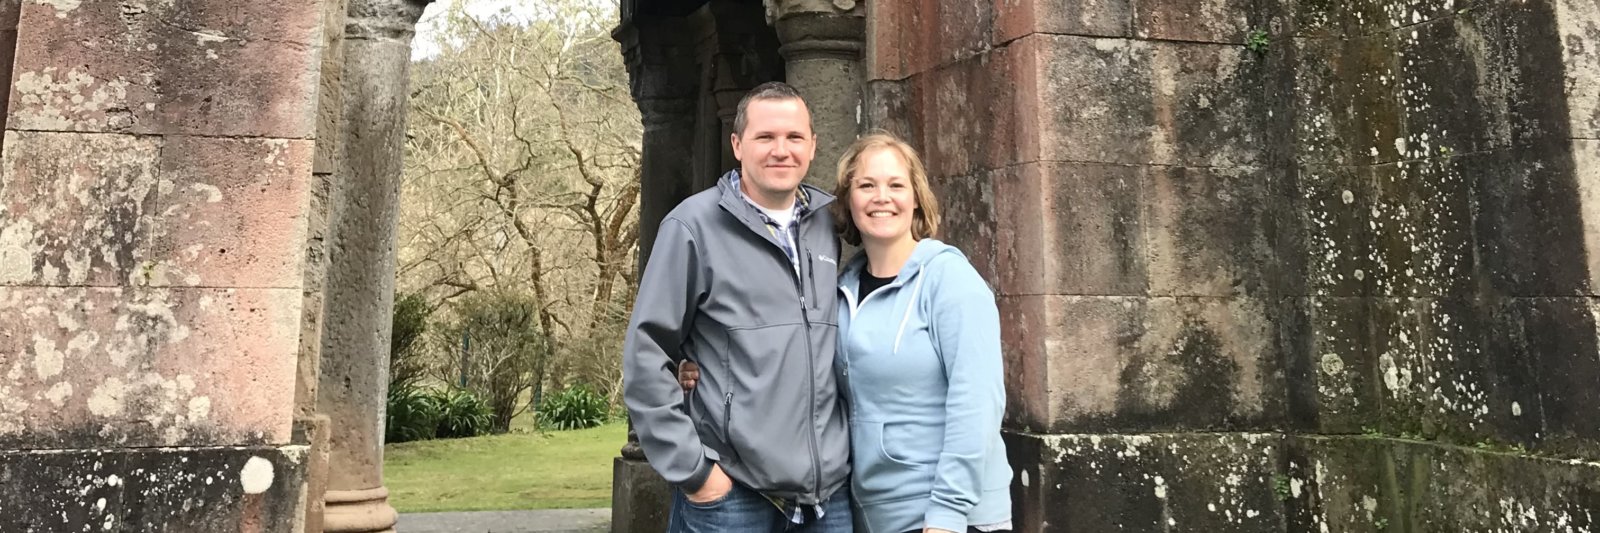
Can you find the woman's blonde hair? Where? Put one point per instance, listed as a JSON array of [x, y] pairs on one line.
[[925, 220]]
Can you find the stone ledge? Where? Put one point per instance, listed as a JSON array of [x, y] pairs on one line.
[[204, 489]]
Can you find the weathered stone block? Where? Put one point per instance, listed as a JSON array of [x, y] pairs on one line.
[[1221, 232], [1090, 364], [915, 37], [78, 208], [1422, 224], [1454, 78], [1345, 385], [1374, 485], [147, 367], [1529, 223], [967, 212], [1544, 351], [1346, 103], [1100, 18], [1579, 26], [1070, 228], [1335, 229], [968, 116], [1147, 483], [1144, 102], [98, 68], [1206, 21], [1586, 173], [233, 214], [181, 490]]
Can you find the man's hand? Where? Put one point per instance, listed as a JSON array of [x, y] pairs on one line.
[[718, 484], [688, 375]]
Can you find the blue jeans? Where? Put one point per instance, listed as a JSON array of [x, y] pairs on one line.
[[745, 510]]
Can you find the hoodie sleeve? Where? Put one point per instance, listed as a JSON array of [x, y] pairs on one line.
[[966, 323], [662, 315]]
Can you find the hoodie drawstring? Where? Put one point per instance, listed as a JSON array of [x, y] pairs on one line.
[[914, 291]]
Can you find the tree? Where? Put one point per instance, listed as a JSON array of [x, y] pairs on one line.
[[523, 160]]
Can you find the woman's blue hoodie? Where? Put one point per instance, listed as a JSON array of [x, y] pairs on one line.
[[920, 361]]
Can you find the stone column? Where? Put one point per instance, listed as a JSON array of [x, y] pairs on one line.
[[661, 66], [359, 295], [822, 45]]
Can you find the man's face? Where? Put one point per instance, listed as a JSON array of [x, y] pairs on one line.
[[774, 151]]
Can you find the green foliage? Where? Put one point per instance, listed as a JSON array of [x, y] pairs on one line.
[[576, 407], [493, 348], [1281, 487], [462, 414], [1257, 41], [412, 414], [407, 364], [420, 413]]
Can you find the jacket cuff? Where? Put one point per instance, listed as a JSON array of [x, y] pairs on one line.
[[697, 479], [942, 517]]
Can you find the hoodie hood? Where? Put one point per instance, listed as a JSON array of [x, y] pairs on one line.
[[924, 253]]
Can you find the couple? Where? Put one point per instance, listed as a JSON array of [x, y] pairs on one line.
[[902, 346]]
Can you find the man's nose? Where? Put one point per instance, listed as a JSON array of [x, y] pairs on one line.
[[781, 149]]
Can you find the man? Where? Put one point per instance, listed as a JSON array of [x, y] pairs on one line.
[[741, 281]]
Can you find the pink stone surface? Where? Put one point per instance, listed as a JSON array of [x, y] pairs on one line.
[[77, 208], [233, 214], [918, 36], [967, 115], [146, 367], [1015, 19], [1071, 228], [97, 68], [1209, 21]]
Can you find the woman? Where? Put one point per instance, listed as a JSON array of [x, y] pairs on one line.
[[918, 359], [919, 356]]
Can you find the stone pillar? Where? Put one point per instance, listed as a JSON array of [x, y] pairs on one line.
[[661, 66], [330, 96], [359, 295], [9, 11], [155, 176], [822, 45]]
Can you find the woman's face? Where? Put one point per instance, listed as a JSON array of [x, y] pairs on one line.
[[882, 203]]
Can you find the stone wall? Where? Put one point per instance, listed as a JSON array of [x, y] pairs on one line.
[[1271, 265], [153, 187]]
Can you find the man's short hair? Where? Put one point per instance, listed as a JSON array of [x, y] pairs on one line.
[[772, 90]]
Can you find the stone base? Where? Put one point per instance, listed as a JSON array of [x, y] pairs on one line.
[[1272, 483], [640, 499], [173, 490]]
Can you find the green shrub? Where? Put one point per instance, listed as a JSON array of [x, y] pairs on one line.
[[413, 414], [462, 414], [407, 363], [576, 407]]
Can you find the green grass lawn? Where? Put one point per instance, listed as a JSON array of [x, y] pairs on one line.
[[520, 470]]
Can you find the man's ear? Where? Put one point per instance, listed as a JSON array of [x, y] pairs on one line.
[[734, 139]]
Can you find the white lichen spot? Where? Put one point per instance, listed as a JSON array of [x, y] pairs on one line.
[[18, 247], [100, 506], [113, 480], [59, 393], [199, 408], [1516, 409], [47, 360], [256, 476], [106, 400], [1161, 488], [211, 192], [1348, 197]]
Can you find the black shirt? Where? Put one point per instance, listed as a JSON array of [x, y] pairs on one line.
[[871, 283]]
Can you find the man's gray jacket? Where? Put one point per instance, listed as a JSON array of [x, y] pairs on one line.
[[720, 291]]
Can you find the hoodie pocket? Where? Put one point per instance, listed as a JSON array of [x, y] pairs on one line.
[[880, 477], [912, 444]]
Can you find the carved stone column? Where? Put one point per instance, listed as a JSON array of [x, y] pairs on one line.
[[660, 53], [359, 295], [822, 45]]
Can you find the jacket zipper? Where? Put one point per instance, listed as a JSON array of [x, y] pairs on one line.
[[727, 426], [811, 372]]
